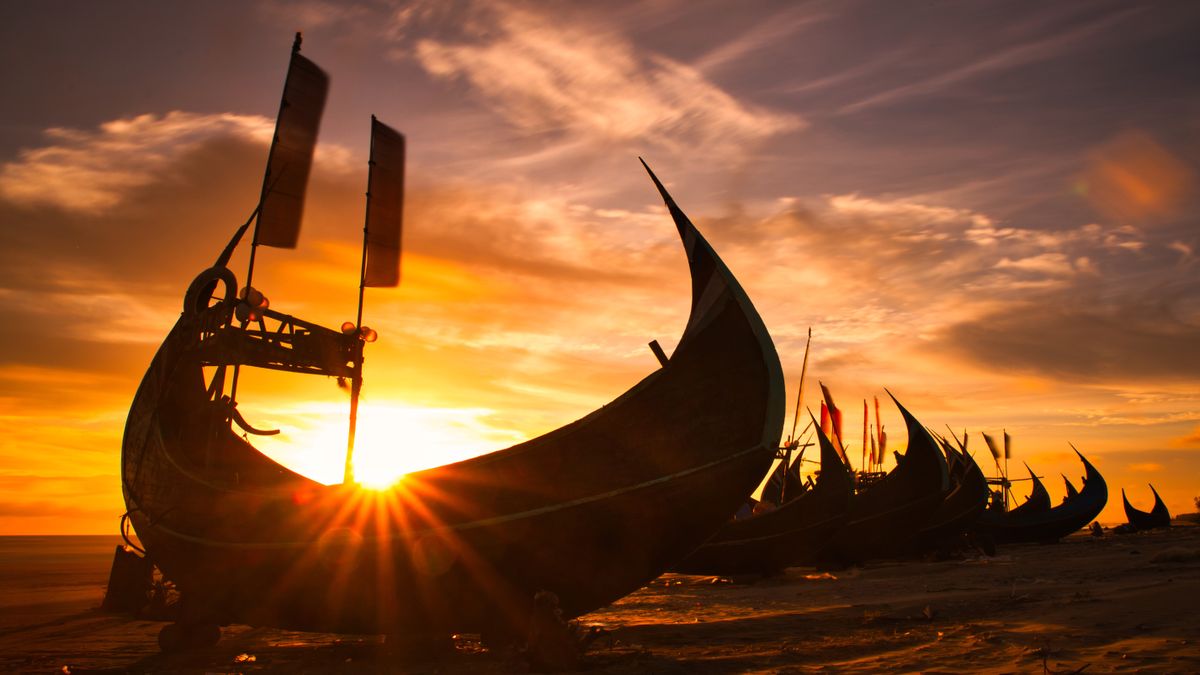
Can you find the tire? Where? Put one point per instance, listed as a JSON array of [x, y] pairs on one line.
[[198, 292]]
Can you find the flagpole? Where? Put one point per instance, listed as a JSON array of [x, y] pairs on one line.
[[866, 417], [1005, 432], [267, 176], [262, 196], [878, 436], [356, 381], [800, 391]]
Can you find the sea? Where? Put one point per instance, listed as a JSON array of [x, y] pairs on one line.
[[44, 578]]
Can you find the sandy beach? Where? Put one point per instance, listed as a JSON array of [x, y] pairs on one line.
[[1116, 604]]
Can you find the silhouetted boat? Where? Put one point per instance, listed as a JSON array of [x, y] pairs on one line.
[[770, 541], [886, 516], [1069, 486], [960, 509], [1051, 524], [1037, 501], [1158, 516], [590, 511]]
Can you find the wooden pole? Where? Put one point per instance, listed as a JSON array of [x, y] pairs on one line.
[[866, 415], [800, 391], [356, 382], [262, 195]]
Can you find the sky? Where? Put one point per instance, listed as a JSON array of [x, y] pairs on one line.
[[989, 208]]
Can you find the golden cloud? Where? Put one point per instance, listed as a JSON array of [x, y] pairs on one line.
[[1191, 440]]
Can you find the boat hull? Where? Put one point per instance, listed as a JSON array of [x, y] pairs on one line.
[[885, 518], [791, 534], [590, 511], [959, 510], [1052, 524], [1158, 516]]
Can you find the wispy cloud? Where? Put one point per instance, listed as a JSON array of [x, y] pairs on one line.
[[551, 74], [769, 32], [1010, 57], [1146, 467]]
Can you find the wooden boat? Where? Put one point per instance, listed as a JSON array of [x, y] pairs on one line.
[[1158, 516], [590, 511], [1069, 487], [966, 501], [885, 517], [1038, 499], [1052, 524], [770, 541]]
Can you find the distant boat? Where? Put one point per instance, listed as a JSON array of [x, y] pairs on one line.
[[966, 501], [590, 511], [886, 515], [1038, 500], [769, 541], [1069, 487], [1048, 525], [1158, 516]]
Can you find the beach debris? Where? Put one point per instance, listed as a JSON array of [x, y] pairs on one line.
[[129, 582], [554, 645], [248, 658]]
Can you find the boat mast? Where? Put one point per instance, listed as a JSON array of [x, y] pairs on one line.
[[1007, 453], [800, 391], [380, 265], [266, 187], [792, 441], [356, 382], [308, 86]]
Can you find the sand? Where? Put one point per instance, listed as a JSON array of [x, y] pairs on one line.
[[1127, 603]]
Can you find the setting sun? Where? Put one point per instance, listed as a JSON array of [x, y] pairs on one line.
[[393, 439]]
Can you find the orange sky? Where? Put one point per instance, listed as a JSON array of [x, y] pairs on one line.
[[952, 223]]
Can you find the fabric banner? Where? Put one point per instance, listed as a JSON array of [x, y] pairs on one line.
[[291, 156], [385, 206]]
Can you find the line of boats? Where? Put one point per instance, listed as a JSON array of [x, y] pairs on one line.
[[936, 499], [589, 512]]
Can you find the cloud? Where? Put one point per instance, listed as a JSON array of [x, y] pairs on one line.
[[1146, 467], [552, 74], [1007, 58], [55, 501], [1191, 440], [93, 170], [1067, 338], [42, 509], [1050, 264], [777, 28]]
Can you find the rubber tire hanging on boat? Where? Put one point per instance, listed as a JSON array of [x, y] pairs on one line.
[[200, 291]]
